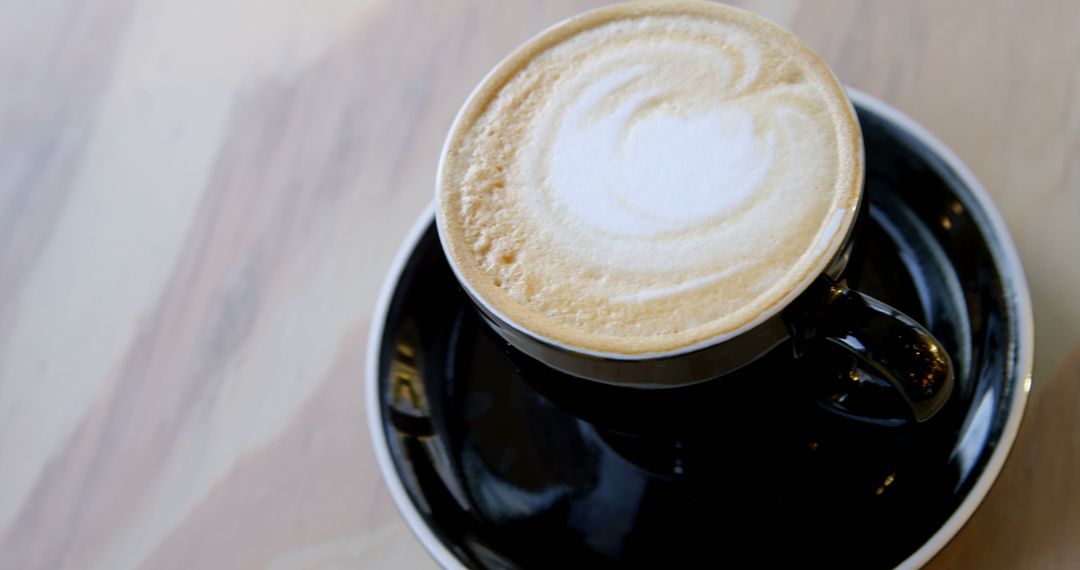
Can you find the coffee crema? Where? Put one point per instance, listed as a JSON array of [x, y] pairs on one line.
[[649, 178]]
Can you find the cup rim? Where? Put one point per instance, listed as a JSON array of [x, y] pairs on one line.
[[1005, 254], [834, 244]]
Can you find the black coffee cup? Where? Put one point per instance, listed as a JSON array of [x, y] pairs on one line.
[[812, 306]]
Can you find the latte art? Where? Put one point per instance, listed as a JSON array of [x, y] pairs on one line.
[[604, 168], [647, 178]]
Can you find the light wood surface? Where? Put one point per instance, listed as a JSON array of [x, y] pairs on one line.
[[199, 201]]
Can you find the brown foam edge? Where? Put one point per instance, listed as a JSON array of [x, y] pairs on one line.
[[848, 134]]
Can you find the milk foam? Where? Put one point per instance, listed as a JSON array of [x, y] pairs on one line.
[[644, 179], [656, 175]]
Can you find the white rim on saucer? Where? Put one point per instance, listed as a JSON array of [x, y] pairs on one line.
[[1002, 248]]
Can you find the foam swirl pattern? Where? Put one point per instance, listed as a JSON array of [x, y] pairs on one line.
[[647, 178]]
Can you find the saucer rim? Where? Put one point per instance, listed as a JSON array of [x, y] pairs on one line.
[[1002, 247]]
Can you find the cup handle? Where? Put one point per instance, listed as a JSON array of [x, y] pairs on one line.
[[886, 340]]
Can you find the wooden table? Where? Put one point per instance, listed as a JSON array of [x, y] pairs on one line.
[[199, 201]]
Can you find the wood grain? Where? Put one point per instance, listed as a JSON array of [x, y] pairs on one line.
[[199, 201]]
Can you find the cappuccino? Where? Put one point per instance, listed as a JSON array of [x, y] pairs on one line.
[[649, 178]]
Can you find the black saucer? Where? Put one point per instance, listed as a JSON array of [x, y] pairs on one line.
[[788, 461]]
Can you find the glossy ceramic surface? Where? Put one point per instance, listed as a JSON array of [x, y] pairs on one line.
[[802, 457]]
